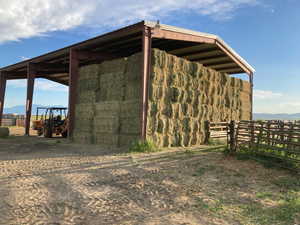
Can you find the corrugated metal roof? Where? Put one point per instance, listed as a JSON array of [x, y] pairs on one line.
[[214, 53]]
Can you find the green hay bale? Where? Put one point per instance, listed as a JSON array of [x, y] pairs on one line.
[[84, 111], [111, 87], [132, 90], [88, 85], [111, 108], [130, 108], [107, 124], [113, 66], [90, 72], [106, 139], [83, 137], [83, 124], [133, 69], [85, 97], [4, 132], [127, 140]]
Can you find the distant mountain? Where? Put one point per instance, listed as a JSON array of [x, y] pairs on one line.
[[20, 109], [280, 116]]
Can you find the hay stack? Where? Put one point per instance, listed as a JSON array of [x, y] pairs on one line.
[[108, 109], [184, 94]]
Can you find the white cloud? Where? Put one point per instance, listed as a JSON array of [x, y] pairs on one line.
[[41, 85], [27, 18], [263, 94], [23, 58]]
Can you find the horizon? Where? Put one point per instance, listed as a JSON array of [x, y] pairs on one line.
[[257, 39]]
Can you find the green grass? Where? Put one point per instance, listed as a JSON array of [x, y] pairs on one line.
[[216, 142], [143, 147]]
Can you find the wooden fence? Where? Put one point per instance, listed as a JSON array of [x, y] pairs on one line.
[[276, 139], [216, 130]]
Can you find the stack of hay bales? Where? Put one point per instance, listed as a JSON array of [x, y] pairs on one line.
[[108, 106], [184, 94]]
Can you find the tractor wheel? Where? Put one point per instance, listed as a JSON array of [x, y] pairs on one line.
[[47, 132], [40, 132], [64, 134]]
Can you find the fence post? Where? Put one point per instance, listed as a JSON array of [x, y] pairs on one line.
[[289, 139], [207, 131], [268, 132], [252, 138], [232, 136]]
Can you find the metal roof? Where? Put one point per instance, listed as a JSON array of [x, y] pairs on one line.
[[208, 49]]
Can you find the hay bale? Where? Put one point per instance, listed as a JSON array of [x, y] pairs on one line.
[[86, 97], [106, 139], [107, 124], [184, 94], [105, 108], [4, 132], [83, 137]]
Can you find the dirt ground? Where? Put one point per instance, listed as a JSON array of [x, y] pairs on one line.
[[51, 181]]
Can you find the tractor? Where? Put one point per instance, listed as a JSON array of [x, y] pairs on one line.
[[53, 120]]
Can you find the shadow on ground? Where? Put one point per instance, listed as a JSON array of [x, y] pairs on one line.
[[48, 182]]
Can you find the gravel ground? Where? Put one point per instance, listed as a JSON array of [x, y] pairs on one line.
[[51, 181]]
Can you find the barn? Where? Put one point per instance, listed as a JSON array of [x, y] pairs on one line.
[[147, 81]]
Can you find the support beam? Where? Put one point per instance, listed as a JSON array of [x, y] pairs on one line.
[[172, 35], [2, 93], [233, 57], [31, 73], [251, 94], [73, 83], [84, 55], [146, 67]]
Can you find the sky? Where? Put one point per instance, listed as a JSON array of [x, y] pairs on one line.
[[264, 32]]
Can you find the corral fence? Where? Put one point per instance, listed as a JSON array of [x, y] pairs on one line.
[[9, 120], [274, 139]]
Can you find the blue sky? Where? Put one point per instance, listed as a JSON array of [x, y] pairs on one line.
[[264, 32]]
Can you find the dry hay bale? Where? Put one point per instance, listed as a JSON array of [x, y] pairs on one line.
[[157, 76], [155, 92], [106, 124], [4, 132], [152, 109], [159, 58], [105, 139], [166, 110], [151, 125]]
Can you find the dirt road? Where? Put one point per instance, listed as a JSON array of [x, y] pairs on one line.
[[54, 182]]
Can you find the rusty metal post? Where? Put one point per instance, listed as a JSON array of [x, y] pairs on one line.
[[251, 94], [207, 131], [232, 136], [73, 82], [31, 73], [146, 69], [2, 93]]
